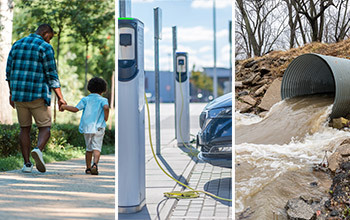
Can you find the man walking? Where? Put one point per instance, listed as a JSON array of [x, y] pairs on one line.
[[31, 74]]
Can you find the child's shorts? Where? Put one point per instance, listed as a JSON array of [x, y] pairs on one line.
[[94, 141]]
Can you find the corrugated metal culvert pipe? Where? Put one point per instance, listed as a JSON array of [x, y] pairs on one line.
[[314, 74]]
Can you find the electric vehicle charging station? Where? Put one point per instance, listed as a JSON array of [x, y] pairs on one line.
[[131, 116], [182, 88]]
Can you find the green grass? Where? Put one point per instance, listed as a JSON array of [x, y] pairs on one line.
[[51, 154]]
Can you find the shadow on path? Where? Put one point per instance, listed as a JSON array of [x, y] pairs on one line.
[[222, 188], [63, 192], [171, 171]]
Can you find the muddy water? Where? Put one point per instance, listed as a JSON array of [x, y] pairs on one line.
[[274, 156]]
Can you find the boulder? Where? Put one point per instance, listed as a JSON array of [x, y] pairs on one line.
[[340, 122], [241, 106], [248, 99], [344, 150], [297, 209], [272, 95], [334, 161]]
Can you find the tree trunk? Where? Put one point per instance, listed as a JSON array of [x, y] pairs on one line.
[[57, 65], [250, 32], [86, 66], [6, 15]]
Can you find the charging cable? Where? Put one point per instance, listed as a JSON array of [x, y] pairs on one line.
[[176, 194]]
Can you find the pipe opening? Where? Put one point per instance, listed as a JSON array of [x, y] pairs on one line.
[[317, 74]]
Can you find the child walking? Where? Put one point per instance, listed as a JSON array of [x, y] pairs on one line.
[[93, 121]]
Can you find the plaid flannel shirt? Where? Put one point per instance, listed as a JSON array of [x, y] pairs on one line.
[[31, 70]]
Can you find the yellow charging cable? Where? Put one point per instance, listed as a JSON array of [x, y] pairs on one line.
[[176, 194]]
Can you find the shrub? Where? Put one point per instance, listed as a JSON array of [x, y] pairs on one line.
[[9, 139], [62, 135]]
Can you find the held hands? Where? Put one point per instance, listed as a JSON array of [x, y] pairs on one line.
[[61, 103]]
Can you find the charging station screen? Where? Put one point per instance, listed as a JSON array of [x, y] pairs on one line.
[[125, 39], [181, 62]]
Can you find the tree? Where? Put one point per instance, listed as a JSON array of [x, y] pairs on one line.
[[92, 18], [338, 21], [203, 82], [260, 25], [6, 8], [314, 12]]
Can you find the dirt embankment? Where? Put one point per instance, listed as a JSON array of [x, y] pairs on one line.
[[254, 76]]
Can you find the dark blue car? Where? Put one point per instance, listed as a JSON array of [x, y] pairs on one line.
[[215, 137]]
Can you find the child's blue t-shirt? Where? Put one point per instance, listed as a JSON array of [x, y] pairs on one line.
[[93, 113]]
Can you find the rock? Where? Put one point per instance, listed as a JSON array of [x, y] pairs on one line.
[[250, 79], [262, 82], [261, 90], [250, 64], [344, 150], [248, 99], [256, 79], [284, 59], [334, 213], [297, 209], [239, 84], [272, 95], [264, 70], [242, 107], [263, 114], [334, 161], [313, 184], [345, 166], [339, 122], [242, 93]]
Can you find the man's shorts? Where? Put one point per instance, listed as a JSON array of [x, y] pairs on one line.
[[94, 141], [38, 109]]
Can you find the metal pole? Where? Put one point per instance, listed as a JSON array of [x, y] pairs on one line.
[[124, 8], [174, 70], [215, 78], [230, 41], [156, 71]]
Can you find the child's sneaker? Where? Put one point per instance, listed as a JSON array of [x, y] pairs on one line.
[[27, 168], [39, 161], [94, 169]]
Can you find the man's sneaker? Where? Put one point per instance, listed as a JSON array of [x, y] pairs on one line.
[[94, 169], [39, 161], [27, 168]]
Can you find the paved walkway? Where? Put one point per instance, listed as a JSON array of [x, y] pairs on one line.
[[63, 192], [176, 161]]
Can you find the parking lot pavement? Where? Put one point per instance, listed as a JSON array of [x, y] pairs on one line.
[[177, 162], [215, 180]]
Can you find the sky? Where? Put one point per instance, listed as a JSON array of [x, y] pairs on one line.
[[194, 23]]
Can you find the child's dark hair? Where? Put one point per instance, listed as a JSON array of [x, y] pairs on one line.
[[97, 85]]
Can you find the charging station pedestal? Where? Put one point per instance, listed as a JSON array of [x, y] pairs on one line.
[[131, 116], [182, 100]]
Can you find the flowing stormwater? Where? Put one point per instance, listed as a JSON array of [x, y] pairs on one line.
[[274, 156]]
